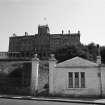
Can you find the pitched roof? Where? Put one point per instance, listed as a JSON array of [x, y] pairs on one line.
[[77, 62]]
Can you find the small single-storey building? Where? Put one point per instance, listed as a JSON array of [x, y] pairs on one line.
[[77, 77]]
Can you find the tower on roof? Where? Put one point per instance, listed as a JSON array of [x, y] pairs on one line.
[[43, 29]]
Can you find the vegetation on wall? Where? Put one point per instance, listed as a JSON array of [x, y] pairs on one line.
[[16, 80]]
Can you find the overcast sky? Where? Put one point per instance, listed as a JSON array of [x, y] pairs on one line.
[[19, 16]]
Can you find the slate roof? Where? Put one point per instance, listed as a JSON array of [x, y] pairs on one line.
[[77, 62]]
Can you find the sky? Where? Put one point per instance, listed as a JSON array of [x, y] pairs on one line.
[[20, 16]]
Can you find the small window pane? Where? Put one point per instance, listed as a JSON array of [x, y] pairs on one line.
[[70, 77], [76, 79], [82, 80]]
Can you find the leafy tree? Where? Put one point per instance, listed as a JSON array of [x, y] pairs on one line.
[[89, 52], [92, 49], [69, 52]]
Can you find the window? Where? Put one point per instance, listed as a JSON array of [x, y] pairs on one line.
[[76, 80], [70, 85], [82, 80]]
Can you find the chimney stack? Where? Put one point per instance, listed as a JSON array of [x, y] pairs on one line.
[[68, 31], [62, 32], [26, 33], [14, 34]]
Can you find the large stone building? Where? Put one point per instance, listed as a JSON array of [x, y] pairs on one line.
[[43, 43]]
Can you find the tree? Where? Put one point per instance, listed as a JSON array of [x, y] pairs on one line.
[[89, 52], [69, 52], [92, 49]]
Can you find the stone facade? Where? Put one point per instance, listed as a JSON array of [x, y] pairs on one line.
[[43, 43]]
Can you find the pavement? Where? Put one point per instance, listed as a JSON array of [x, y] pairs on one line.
[[55, 99]]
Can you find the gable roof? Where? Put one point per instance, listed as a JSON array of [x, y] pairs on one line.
[[77, 62]]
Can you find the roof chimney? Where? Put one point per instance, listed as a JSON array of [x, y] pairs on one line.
[[26, 33], [62, 32], [14, 34], [68, 31], [98, 55], [78, 32]]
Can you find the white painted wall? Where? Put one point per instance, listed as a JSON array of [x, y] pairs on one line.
[[60, 82]]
